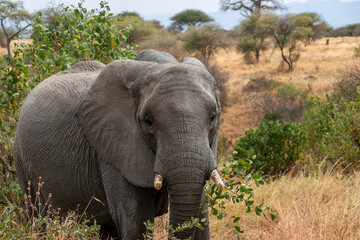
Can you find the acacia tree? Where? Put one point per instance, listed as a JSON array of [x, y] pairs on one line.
[[311, 26], [205, 40], [285, 32], [250, 7], [187, 18], [13, 19], [253, 37]]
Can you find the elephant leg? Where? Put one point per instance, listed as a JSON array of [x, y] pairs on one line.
[[130, 206], [203, 234]]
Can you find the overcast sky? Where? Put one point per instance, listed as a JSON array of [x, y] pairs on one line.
[[144, 6]]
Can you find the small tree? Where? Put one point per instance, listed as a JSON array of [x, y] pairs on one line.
[[51, 14], [284, 30], [205, 40], [310, 26], [187, 18], [254, 34], [250, 7], [142, 30], [13, 19]]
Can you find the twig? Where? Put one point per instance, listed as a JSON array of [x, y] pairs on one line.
[[8, 167]]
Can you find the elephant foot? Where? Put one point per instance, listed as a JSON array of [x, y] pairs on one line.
[[108, 232]]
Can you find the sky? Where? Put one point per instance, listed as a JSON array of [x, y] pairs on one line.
[[162, 10], [145, 6]]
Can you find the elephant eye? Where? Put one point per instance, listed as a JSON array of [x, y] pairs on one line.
[[148, 121], [212, 118]]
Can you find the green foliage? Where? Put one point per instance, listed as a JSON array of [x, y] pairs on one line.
[[310, 26], [276, 146], [30, 219], [205, 40], [277, 102], [194, 223], [141, 30], [187, 18], [81, 35], [15, 225], [289, 30], [349, 30], [254, 34], [348, 86], [333, 134], [237, 189]]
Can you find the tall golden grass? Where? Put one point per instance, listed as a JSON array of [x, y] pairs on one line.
[[312, 208]]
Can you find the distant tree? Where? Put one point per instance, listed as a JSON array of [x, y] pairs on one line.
[[141, 29], [205, 40], [51, 14], [284, 30], [187, 18], [250, 7], [253, 38], [349, 30], [310, 26], [129, 14], [13, 19]]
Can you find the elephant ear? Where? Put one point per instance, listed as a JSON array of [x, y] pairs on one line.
[[107, 116], [196, 62], [151, 55]]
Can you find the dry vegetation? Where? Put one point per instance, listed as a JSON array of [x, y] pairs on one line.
[[319, 67], [322, 207], [312, 208]]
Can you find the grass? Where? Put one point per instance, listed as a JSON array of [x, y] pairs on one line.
[[312, 208], [319, 66]]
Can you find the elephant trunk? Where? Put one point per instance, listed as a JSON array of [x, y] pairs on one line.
[[185, 202], [185, 172]]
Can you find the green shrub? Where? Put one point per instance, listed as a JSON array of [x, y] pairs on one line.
[[333, 134], [285, 103], [348, 86], [276, 146]]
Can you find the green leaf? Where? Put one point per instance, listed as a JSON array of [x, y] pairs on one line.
[[256, 176], [236, 219]]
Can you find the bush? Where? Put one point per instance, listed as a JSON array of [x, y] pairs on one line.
[[333, 134], [260, 83], [348, 86], [205, 40], [285, 103], [276, 146]]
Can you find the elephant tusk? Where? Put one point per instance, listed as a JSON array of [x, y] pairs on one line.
[[158, 182], [217, 179]]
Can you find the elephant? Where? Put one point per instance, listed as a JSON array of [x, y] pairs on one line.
[[138, 135]]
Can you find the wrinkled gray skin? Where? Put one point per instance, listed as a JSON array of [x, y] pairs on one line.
[[105, 131]]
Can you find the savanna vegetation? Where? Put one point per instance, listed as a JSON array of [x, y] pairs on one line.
[[289, 143]]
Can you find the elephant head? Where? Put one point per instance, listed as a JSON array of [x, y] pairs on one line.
[[156, 121]]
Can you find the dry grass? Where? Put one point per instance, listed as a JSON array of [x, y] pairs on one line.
[[326, 207], [319, 66], [3, 51]]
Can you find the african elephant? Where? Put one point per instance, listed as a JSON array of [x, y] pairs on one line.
[[134, 134]]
